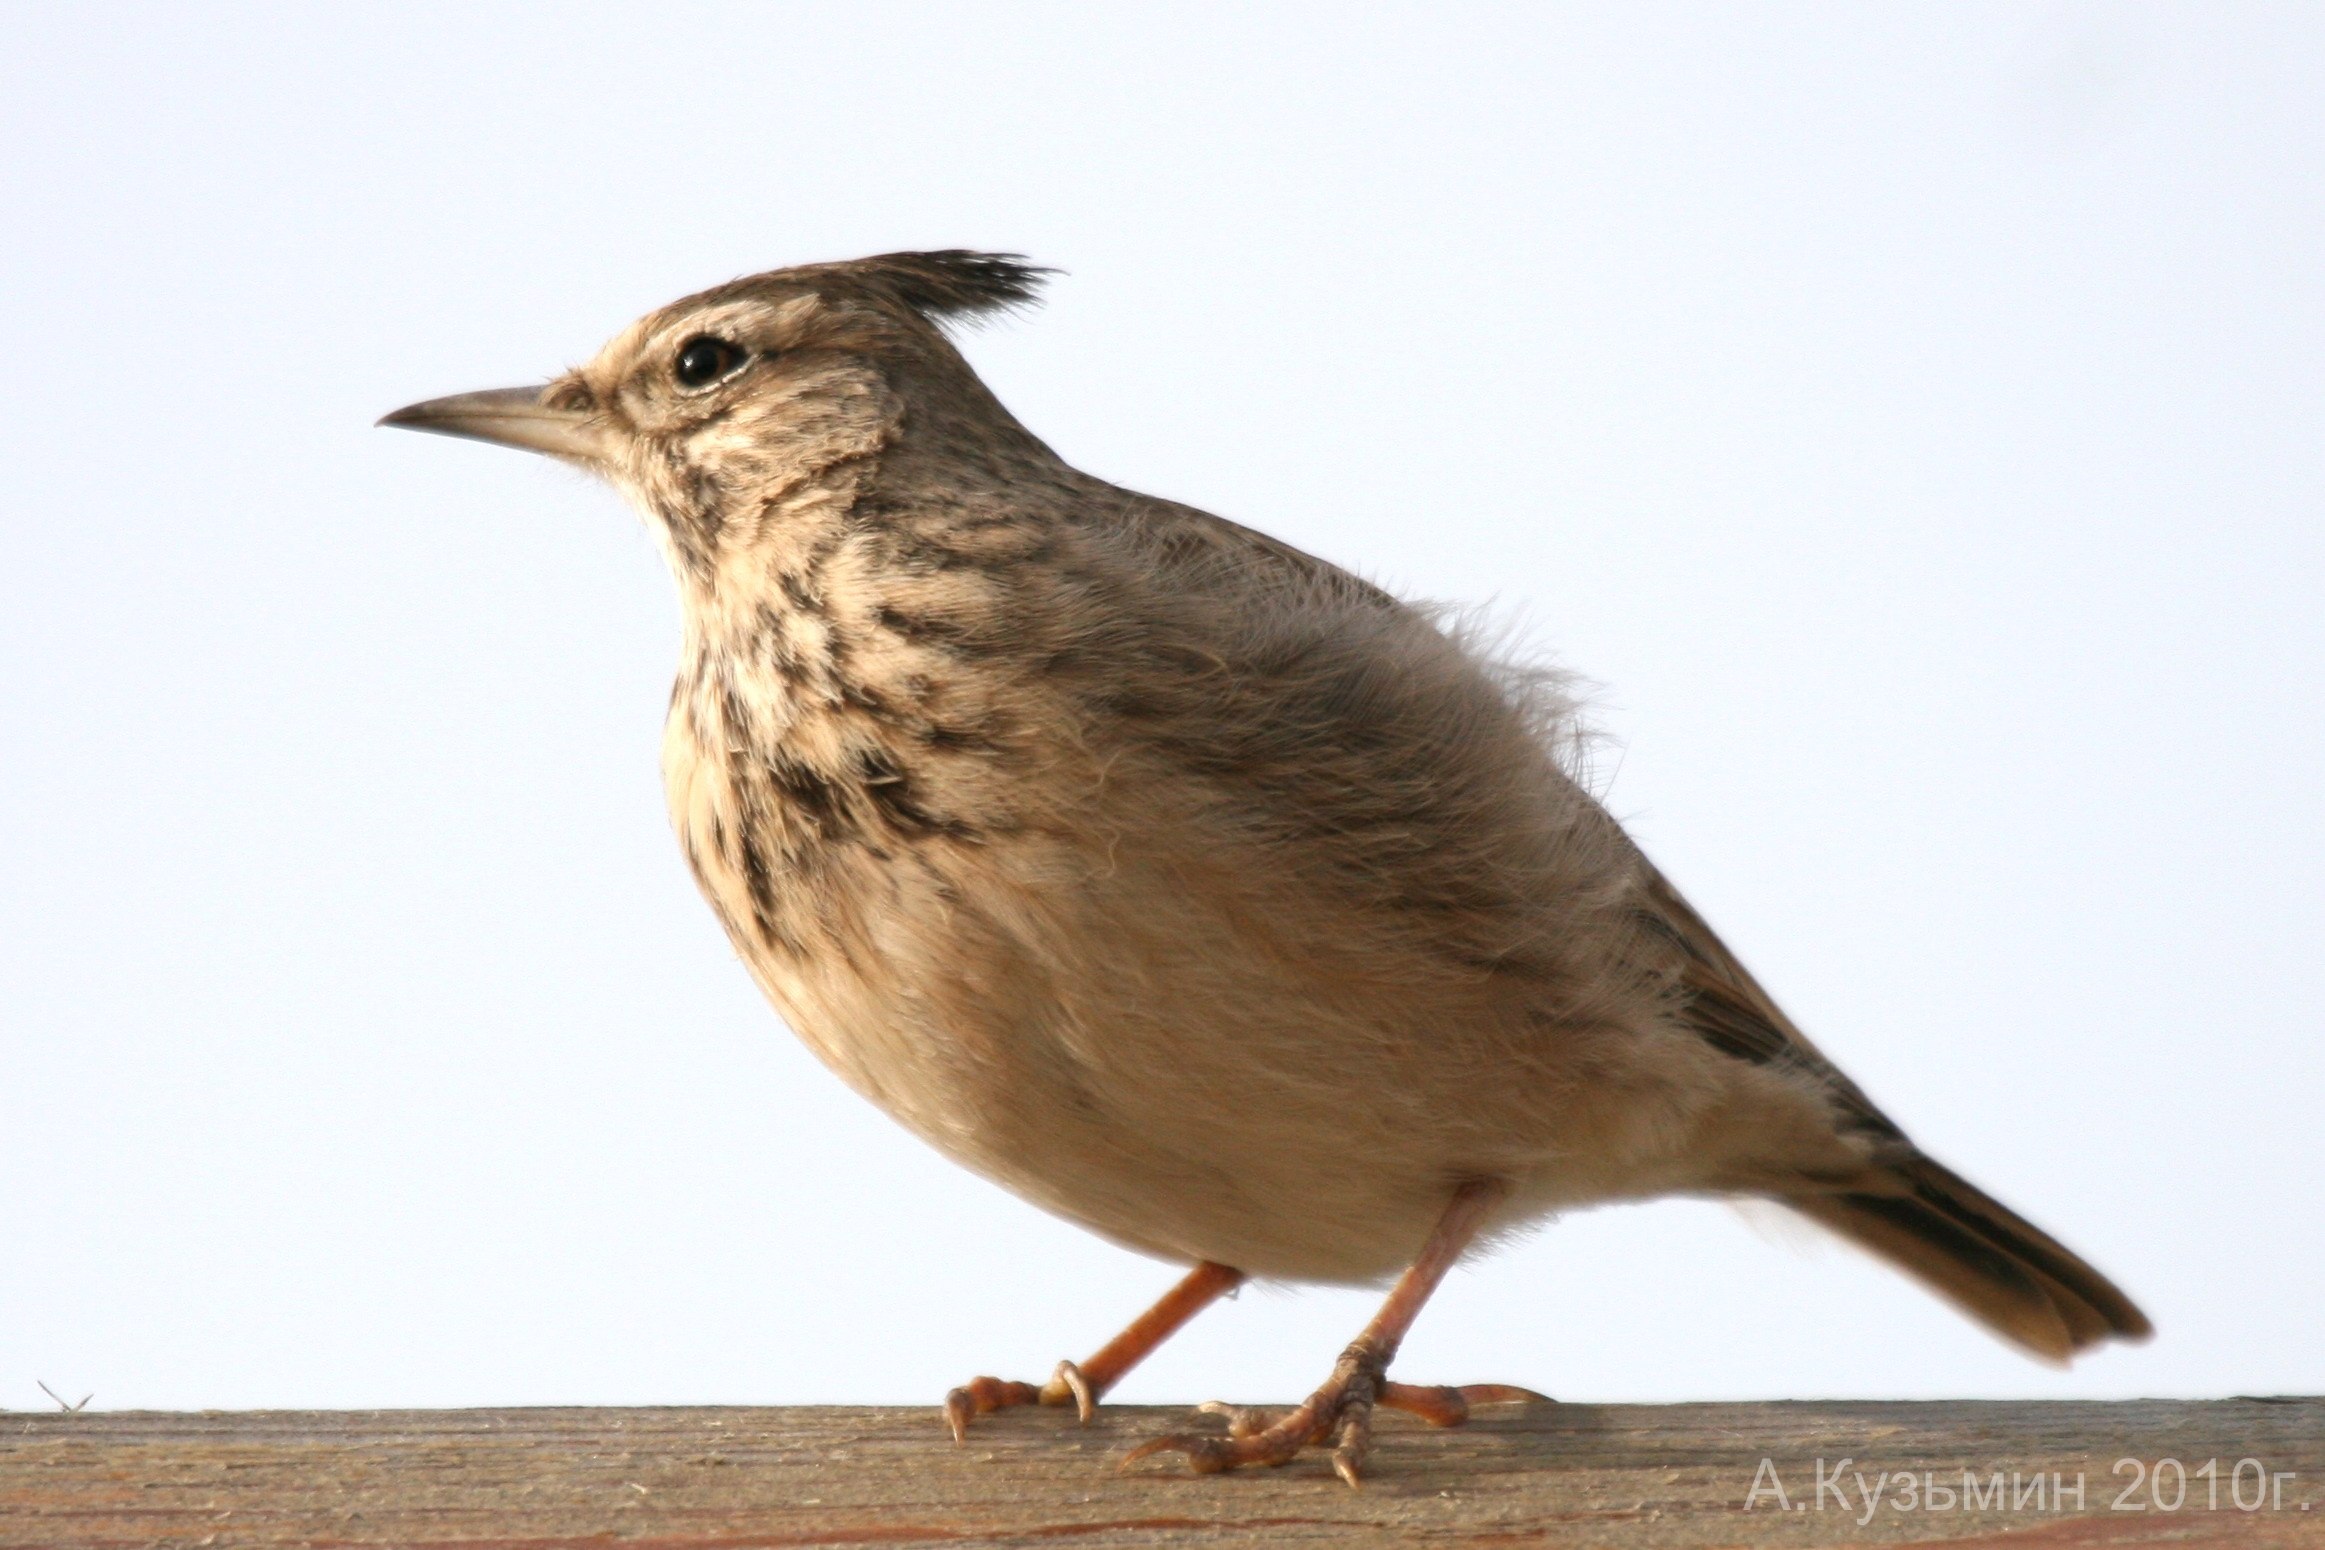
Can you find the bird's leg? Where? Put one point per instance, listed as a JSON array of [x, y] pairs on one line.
[[1341, 1411], [1083, 1385]]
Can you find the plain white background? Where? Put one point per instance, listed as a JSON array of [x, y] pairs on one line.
[[1910, 414]]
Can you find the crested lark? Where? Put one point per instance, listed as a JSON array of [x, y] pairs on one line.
[[1185, 884]]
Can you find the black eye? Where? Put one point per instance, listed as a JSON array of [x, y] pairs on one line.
[[702, 360]]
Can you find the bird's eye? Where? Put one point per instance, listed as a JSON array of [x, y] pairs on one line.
[[703, 359]]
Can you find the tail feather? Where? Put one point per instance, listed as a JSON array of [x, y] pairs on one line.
[[1983, 1257]]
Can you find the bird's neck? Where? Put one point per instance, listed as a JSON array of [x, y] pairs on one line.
[[768, 575]]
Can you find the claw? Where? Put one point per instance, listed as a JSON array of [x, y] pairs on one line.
[[1353, 1443], [1068, 1383], [983, 1396]]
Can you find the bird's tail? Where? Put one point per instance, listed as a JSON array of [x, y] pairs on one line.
[[1982, 1257]]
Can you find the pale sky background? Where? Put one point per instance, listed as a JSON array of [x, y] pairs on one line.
[[1912, 415]]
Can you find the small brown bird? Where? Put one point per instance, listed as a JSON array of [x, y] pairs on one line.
[[1189, 886]]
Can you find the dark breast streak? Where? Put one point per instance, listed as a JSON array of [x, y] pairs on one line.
[[816, 773]]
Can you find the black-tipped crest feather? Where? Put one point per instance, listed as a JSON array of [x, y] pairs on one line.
[[955, 284]]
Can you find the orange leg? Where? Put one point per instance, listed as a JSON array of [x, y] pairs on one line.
[[1085, 1384], [1341, 1411]]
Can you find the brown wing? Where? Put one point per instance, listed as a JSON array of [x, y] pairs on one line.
[[1726, 1007]]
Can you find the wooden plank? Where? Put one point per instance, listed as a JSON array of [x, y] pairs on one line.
[[1603, 1475]]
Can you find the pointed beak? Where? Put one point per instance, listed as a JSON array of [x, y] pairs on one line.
[[507, 417]]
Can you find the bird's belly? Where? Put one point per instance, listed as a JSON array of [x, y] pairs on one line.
[[1142, 1050], [1271, 1125], [1174, 1168]]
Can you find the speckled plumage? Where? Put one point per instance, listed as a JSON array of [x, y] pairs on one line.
[[1182, 882]]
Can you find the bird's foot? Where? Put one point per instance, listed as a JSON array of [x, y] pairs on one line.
[[1339, 1413], [983, 1396]]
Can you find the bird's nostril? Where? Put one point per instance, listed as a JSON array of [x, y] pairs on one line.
[[573, 397]]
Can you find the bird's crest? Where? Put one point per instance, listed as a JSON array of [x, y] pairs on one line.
[[955, 285]]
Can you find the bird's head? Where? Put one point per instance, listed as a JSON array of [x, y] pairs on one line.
[[719, 413]]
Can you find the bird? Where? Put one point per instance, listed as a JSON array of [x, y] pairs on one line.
[[1192, 887]]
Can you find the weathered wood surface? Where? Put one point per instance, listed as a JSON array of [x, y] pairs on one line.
[[1599, 1475]]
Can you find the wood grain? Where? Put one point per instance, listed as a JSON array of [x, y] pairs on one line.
[[1602, 1475]]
